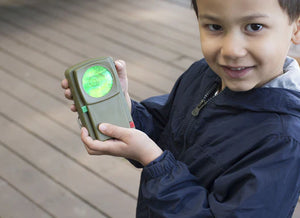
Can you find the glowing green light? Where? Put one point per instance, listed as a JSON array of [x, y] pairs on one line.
[[97, 81]]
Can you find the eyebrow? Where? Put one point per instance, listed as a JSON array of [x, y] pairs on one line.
[[208, 17], [249, 17], [255, 16]]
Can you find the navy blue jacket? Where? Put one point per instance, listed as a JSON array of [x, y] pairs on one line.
[[237, 156]]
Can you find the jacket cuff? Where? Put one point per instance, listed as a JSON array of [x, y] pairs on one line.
[[160, 166]]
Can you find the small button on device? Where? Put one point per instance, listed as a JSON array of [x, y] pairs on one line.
[[131, 124]]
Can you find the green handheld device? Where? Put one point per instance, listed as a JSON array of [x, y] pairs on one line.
[[98, 95]]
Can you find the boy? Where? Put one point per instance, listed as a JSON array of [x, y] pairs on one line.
[[225, 142]]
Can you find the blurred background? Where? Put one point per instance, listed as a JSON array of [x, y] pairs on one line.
[[44, 168]]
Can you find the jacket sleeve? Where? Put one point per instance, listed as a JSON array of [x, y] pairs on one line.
[[150, 116], [265, 183]]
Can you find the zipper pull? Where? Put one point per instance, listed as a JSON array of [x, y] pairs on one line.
[[197, 109]]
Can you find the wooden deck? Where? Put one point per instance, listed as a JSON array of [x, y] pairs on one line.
[[44, 168]]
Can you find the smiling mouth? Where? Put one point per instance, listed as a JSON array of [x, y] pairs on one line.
[[236, 72]]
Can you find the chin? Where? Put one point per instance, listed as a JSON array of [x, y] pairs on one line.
[[240, 88]]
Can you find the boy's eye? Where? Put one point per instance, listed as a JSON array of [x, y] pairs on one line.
[[214, 27], [254, 27]]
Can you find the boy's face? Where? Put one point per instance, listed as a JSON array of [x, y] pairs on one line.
[[244, 41]]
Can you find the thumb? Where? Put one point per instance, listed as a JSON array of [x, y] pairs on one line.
[[113, 131]]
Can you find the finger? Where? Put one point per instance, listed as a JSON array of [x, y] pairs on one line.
[[114, 131], [64, 84], [73, 108], [95, 147], [120, 64], [68, 94], [86, 139], [121, 67], [89, 143], [89, 151]]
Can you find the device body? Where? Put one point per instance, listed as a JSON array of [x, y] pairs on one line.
[[98, 95]]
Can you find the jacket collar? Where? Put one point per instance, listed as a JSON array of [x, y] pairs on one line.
[[290, 79]]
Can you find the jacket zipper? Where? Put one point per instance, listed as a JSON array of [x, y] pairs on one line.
[[207, 97], [195, 112]]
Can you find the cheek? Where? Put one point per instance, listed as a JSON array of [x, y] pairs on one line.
[[209, 49], [275, 45], [211, 54], [264, 47], [270, 53]]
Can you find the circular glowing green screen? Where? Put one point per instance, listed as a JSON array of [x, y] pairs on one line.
[[97, 81]]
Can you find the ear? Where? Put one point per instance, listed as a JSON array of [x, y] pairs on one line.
[[296, 33]]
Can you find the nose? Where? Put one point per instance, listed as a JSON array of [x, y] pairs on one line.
[[233, 46]]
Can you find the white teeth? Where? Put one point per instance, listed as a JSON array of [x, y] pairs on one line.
[[237, 68]]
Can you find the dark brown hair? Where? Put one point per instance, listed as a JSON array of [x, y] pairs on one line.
[[291, 7]]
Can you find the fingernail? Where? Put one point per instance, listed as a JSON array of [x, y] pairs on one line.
[[118, 63], [83, 130], [102, 127]]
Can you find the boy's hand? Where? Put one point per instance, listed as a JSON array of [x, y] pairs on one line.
[[128, 143], [122, 73], [68, 94]]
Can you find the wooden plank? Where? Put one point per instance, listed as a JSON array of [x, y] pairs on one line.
[[56, 114], [156, 81], [34, 77], [96, 34], [121, 21], [18, 49], [174, 63], [88, 27], [38, 187], [51, 50], [45, 63], [40, 102], [157, 17], [47, 151], [112, 46], [32, 58], [160, 12], [186, 46], [127, 13], [117, 28], [97, 9], [15, 204]]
